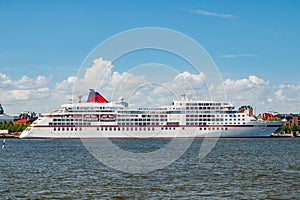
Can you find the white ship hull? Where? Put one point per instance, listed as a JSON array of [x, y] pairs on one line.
[[262, 129]]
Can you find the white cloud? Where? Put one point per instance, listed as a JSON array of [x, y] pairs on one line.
[[213, 14], [139, 89], [41, 80], [19, 94], [263, 95], [67, 84], [23, 94], [24, 83], [142, 90], [288, 94]]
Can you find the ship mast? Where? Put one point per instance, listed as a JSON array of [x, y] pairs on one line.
[[79, 98]]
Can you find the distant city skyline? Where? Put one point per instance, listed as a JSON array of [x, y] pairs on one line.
[[255, 45]]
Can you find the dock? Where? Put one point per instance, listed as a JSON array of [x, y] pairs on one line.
[[10, 135]]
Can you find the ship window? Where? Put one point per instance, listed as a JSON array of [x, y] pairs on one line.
[[62, 129], [72, 129], [54, 129], [67, 129], [58, 129], [75, 129], [80, 129], [97, 128]]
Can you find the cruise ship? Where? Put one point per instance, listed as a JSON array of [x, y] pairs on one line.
[[100, 118]]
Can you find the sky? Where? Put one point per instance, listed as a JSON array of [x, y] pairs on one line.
[[44, 45]]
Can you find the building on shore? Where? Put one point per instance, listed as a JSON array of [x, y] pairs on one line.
[[290, 118]]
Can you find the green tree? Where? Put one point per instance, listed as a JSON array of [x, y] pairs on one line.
[[283, 128], [293, 127], [11, 127], [5, 125]]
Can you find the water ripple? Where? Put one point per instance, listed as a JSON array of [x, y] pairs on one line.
[[236, 168]]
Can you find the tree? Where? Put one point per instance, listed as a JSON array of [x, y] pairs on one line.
[[11, 127], [283, 128], [293, 127]]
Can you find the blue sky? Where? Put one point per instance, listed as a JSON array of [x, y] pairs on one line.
[[52, 38]]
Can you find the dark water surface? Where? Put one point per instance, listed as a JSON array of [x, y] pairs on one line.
[[267, 168]]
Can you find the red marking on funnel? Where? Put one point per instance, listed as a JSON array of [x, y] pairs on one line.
[[95, 97]]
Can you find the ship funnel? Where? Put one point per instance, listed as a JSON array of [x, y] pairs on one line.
[[96, 97]]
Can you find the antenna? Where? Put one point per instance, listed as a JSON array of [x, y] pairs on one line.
[[189, 96], [79, 98], [183, 96]]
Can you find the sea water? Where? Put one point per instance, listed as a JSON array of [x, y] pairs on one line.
[[256, 168]]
